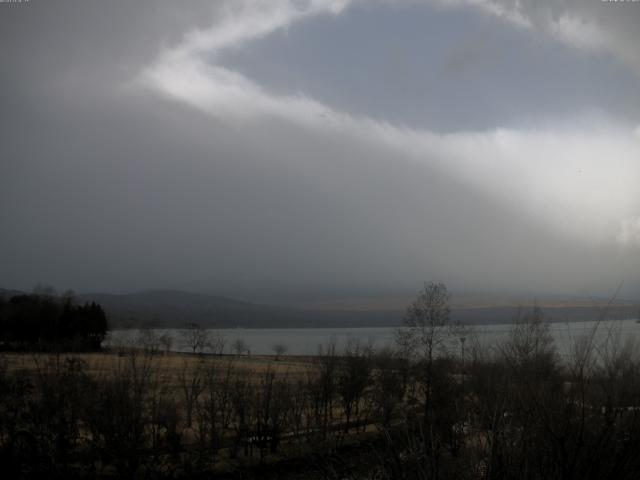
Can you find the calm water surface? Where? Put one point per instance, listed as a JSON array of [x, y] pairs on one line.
[[305, 341]]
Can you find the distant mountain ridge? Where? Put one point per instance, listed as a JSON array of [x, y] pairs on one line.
[[174, 309]]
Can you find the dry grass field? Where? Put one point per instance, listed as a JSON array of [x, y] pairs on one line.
[[169, 365]]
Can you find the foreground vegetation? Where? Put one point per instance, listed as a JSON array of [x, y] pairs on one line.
[[516, 410]]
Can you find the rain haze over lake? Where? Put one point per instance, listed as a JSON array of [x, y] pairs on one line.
[[310, 151]]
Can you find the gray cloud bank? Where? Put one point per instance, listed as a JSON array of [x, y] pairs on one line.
[[132, 159]]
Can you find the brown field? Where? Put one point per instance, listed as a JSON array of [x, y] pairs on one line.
[[169, 365]]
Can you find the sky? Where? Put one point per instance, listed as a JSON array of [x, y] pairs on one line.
[[321, 149]]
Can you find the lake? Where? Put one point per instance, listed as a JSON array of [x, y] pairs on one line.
[[305, 341]]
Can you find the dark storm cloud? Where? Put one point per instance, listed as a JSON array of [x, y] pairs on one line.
[[106, 185]]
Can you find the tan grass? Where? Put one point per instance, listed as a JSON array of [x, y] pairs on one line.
[[170, 365]]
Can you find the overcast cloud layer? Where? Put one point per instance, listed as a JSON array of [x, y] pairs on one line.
[[321, 148]]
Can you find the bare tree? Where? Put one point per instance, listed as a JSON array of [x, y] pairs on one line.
[[195, 337], [279, 349], [424, 329], [218, 343], [354, 376], [389, 384], [240, 347], [190, 379], [425, 334], [149, 341], [214, 411], [327, 362], [166, 341]]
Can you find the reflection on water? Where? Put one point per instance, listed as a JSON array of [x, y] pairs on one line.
[[305, 341]]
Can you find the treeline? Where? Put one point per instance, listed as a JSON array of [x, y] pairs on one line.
[[45, 321]]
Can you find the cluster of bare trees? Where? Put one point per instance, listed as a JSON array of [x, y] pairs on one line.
[[516, 409], [193, 338], [140, 413], [152, 414], [421, 411]]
